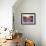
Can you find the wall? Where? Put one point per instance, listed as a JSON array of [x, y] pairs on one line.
[[6, 13], [43, 22], [29, 31]]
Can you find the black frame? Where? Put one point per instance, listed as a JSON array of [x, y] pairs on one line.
[[34, 15]]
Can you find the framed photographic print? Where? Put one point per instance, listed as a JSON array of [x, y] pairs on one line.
[[28, 18]]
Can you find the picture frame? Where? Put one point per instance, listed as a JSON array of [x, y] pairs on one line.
[[28, 18]]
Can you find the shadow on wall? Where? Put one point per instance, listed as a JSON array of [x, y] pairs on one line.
[[18, 3]]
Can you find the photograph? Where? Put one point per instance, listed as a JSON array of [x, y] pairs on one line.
[[28, 18]]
